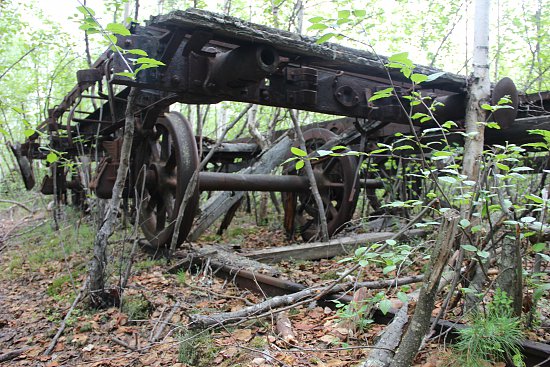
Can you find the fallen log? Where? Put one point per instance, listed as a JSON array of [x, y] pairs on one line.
[[324, 250], [381, 357], [204, 321]]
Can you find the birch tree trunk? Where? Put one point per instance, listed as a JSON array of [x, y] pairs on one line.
[[479, 93]]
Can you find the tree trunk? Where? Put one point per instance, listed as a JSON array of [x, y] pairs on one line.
[[98, 296], [420, 322], [479, 91]]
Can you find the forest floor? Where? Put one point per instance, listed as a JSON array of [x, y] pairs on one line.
[[41, 272]]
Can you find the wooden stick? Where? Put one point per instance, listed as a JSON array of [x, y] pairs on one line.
[[13, 354], [166, 321], [64, 322]]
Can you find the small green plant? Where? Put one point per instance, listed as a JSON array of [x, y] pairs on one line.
[[136, 307], [181, 276], [196, 349], [493, 336]]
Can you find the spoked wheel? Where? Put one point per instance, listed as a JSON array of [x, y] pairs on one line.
[[168, 161], [338, 187]]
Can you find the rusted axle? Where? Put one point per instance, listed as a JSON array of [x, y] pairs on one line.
[[217, 181]]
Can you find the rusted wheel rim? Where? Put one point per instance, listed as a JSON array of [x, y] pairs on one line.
[[339, 194], [171, 158]]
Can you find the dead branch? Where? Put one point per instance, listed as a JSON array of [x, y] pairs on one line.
[[284, 328], [381, 357], [122, 343], [21, 205], [166, 321], [294, 299], [13, 354], [421, 319], [53, 343]]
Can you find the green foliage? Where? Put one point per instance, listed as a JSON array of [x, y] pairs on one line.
[[196, 349], [491, 337], [137, 307]]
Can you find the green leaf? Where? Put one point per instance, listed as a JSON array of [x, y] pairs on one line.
[[324, 38], [136, 51], [360, 251], [464, 223], [298, 152], [502, 166], [534, 198], [385, 306], [538, 247], [483, 254], [117, 28], [469, 248], [384, 93], [388, 269], [85, 10], [126, 74], [487, 107], [447, 179], [391, 242], [403, 297], [52, 157], [418, 78], [344, 14], [28, 132], [493, 125], [338, 147], [149, 61], [318, 26], [316, 19], [527, 219], [434, 76], [449, 124], [299, 165], [359, 13]]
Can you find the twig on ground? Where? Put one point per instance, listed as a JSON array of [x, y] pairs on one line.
[[11, 355], [53, 343], [166, 321]]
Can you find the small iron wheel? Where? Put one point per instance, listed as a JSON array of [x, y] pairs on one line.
[[169, 159], [337, 185]]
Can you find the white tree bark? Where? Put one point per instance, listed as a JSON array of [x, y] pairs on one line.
[[479, 92]]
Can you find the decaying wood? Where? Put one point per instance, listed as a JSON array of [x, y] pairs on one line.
[[165, 322], [382, 357], [223, 256], [328, 54], [269, 306], [420, 322], [284, 328], [13, 354], [221, 202], [324, 250]]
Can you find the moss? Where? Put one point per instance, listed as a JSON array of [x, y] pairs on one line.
[[197, 349]]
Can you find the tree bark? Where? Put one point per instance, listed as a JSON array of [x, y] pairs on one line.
[[420, 322], [479, 91], [98, 295]]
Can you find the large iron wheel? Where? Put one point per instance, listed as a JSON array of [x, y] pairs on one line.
[[337, 182], [169, 159]]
